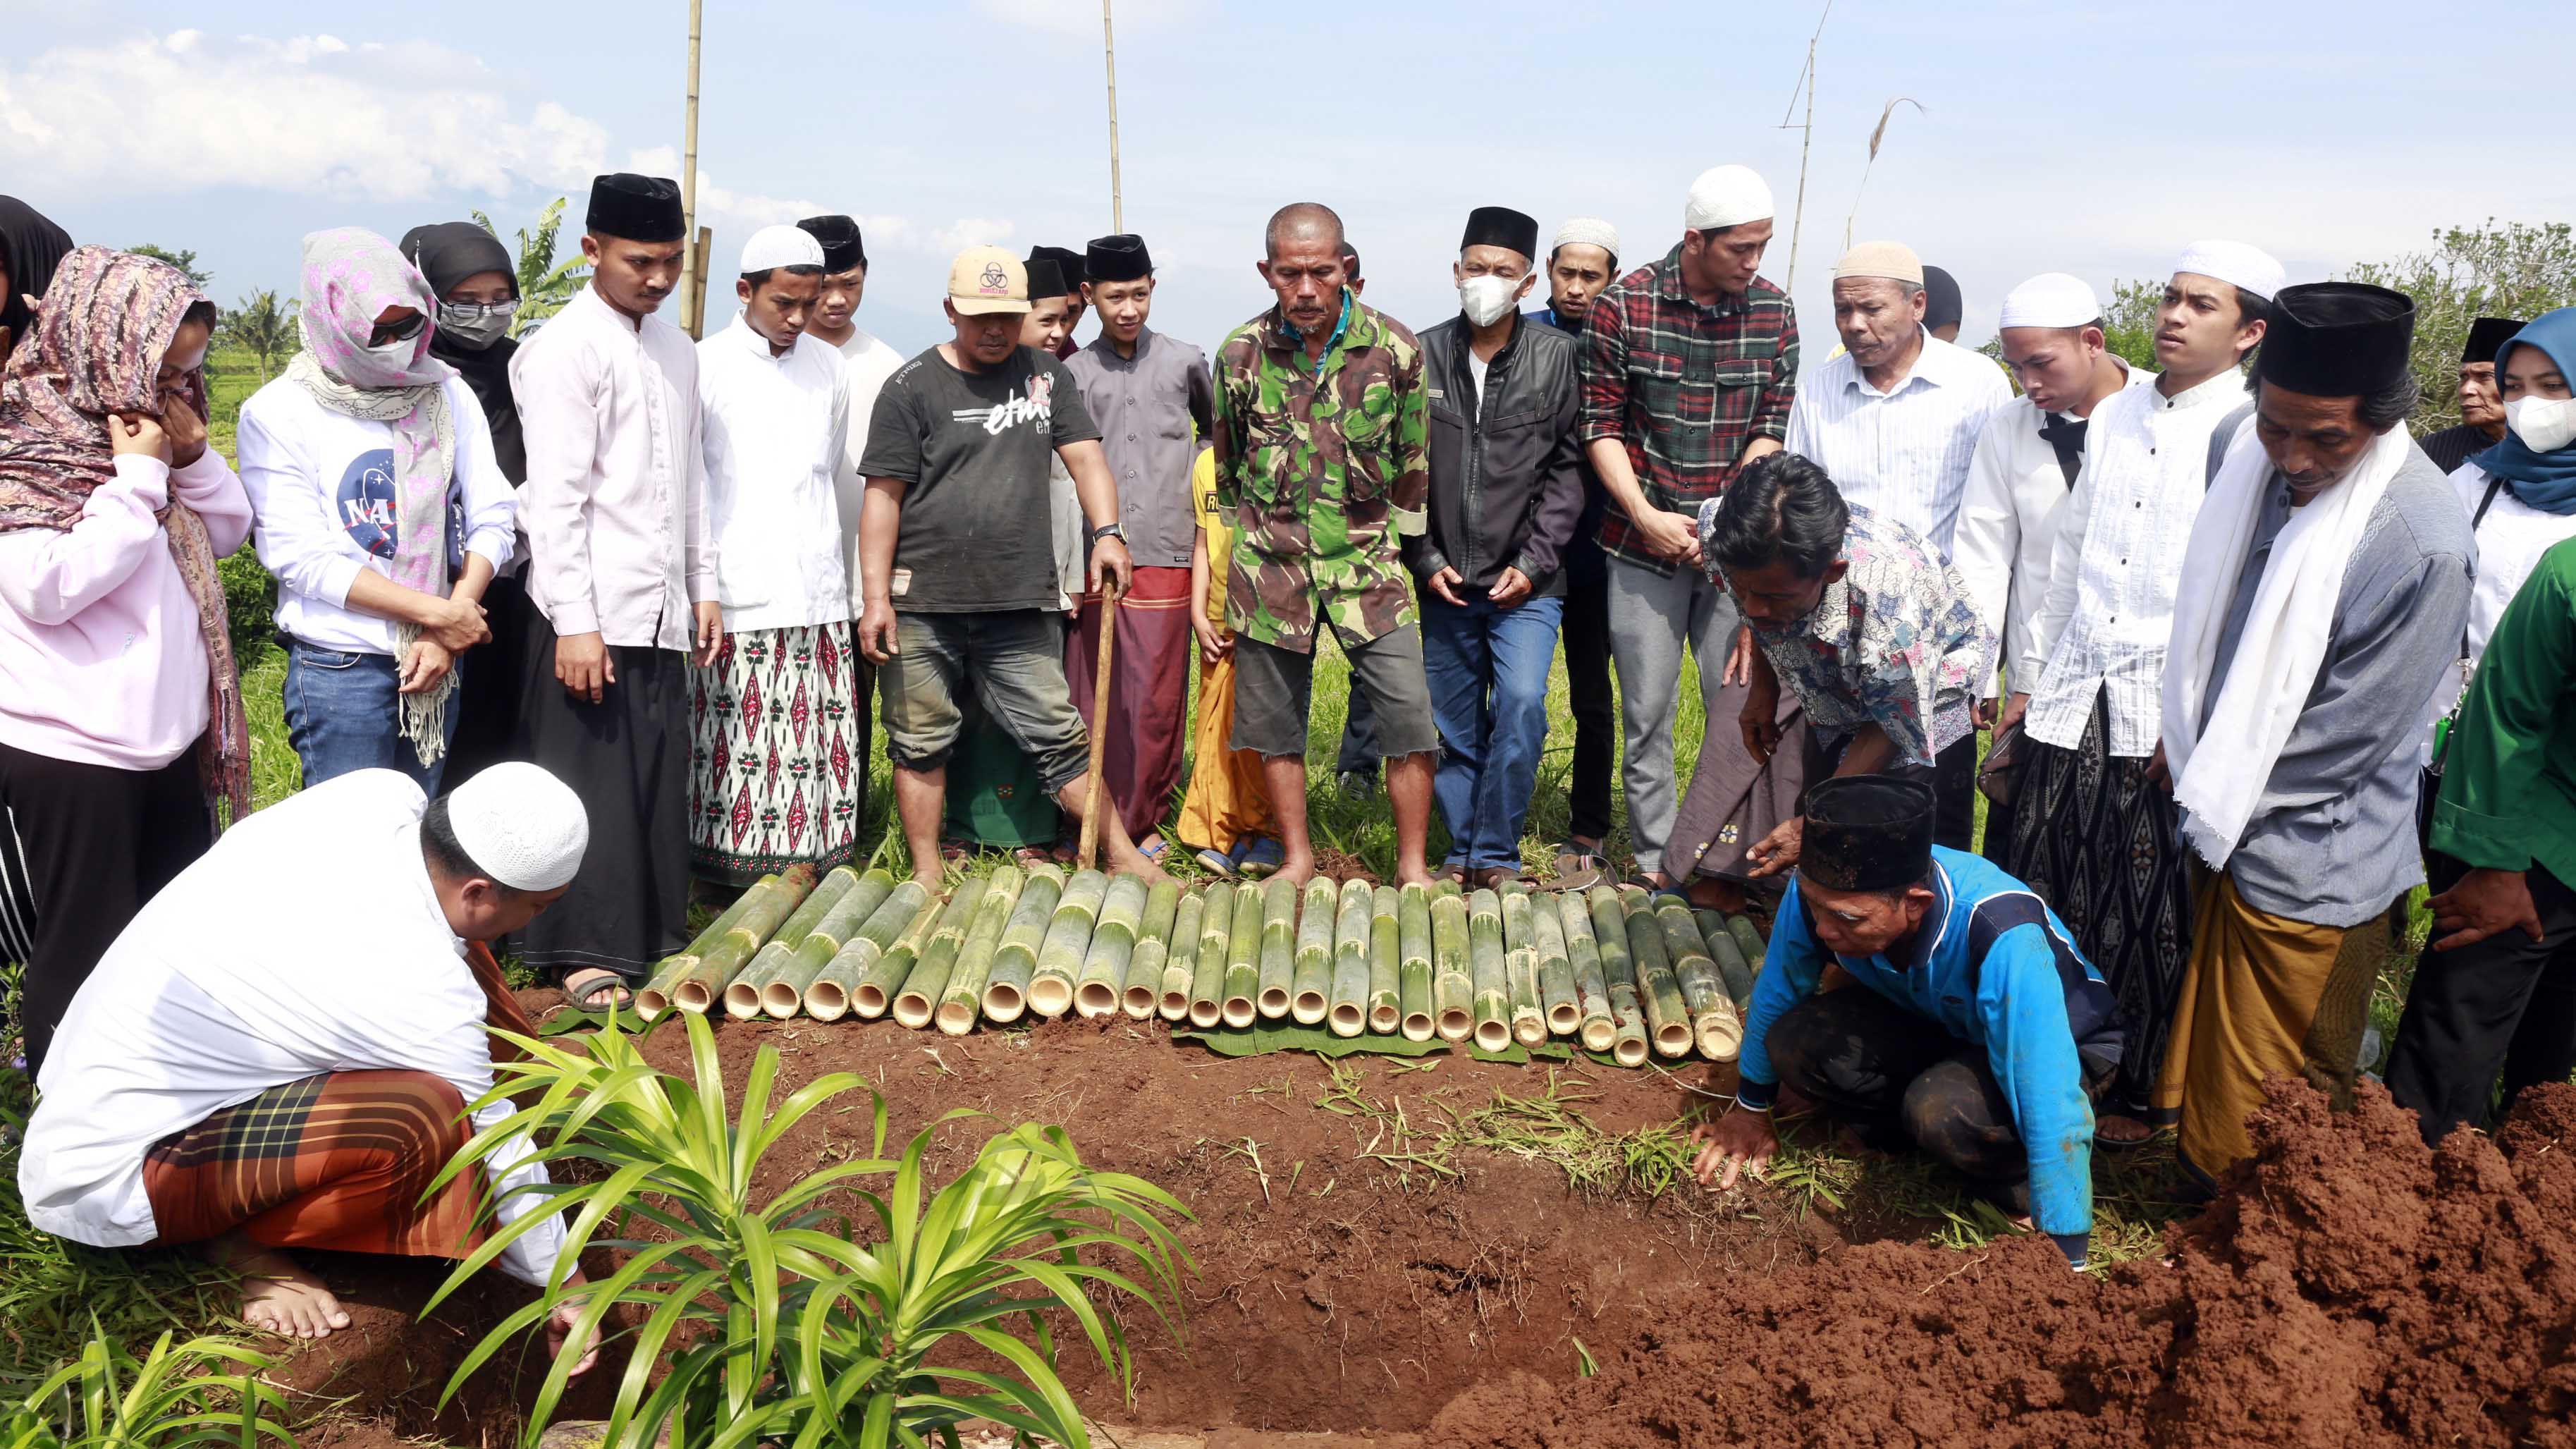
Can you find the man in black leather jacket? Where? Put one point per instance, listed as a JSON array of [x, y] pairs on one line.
[[1505, 496]]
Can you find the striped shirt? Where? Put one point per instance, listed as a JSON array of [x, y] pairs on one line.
[[1684, 386], [1904, 453]]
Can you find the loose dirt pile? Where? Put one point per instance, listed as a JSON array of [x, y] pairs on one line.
[[2349, 1286]]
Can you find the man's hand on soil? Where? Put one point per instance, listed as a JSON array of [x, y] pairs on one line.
[[1732, 1143]]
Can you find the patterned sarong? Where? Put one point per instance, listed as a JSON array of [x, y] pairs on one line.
[[1149, 691], [778, 771]]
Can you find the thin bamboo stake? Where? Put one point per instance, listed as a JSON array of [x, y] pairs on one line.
[[1109, 48], [1806, 138], [1095, 799], [692, 259]]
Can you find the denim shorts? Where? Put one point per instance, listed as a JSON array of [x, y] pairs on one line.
[[1013, 660], [342, 713]]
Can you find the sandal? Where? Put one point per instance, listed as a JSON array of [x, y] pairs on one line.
[[606, 989], [1577, 868], [2131, 1133]]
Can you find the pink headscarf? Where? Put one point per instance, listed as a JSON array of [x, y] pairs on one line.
[[100, 337]]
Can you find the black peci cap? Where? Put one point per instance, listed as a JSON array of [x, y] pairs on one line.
[[1867, 833], [637, 208]]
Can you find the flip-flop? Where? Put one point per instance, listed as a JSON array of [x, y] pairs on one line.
[[600, 994], [1578, 869]]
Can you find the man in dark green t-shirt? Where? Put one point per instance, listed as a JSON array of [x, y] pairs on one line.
[[957, 554]]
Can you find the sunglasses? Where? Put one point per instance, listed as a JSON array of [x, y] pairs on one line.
[[469, 312], [403, 331]]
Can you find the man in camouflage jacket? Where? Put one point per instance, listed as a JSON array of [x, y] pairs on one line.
[[1321, 456]]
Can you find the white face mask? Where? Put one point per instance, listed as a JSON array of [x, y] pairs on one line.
[[1485, 299], [2545, 425]]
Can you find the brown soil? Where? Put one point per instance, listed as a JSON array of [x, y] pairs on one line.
[[2349, 1286]]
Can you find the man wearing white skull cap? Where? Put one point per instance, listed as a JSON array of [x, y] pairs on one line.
[[280, 1050]]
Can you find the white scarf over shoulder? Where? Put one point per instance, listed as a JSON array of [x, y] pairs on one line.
[[2220, 769]]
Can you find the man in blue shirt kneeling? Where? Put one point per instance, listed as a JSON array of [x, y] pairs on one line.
[[2026, 1031]]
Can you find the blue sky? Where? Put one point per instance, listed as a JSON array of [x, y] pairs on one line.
[[2096, 140]]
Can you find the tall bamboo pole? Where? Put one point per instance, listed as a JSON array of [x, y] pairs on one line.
[[1806, 138], [1109, 46], [692, 258]]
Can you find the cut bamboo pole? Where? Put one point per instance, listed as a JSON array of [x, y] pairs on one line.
[[784, 995], [1103, 976], [1413, 961], [1520, 963], [1732, 973], [1347, 1011], [1278, 947], [1748, 939], [1555, 970], [1180, 959], [655, 998], [1591, 992], [743, 995], [1449, 886], [1310, 983], [1618, 968], [1067, 938], [1006, 985], [1715, 1029], [918, 1000], [1492, 1028], [963, 1001], [1207, 973], [1452, 989], [1243, 957], [866, 971], [1143, 980], [705, 982], [1386, 954], [1668, 1023]]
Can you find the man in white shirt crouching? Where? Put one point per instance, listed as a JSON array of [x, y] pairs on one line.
[[246, 1078]]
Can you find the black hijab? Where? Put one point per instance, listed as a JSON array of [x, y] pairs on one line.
[[447, 253], [30, 247]]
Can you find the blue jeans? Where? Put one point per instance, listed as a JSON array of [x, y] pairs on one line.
[[1488, 671], [342, 711]]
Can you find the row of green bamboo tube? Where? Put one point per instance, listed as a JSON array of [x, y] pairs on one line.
[[1619, 970]]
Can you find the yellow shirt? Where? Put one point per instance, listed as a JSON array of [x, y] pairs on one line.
[[1220, 535]]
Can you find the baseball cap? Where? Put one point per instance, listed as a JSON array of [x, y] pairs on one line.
[[988, 279]]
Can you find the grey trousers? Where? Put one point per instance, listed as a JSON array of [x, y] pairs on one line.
[[1651, 619]]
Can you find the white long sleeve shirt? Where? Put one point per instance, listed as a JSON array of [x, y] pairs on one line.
[[867, 361], [1903, 453], [322, 484], [2511, 538], [2117, 560], [615, 504], [2007, 525], [354, 969], [775, 437]]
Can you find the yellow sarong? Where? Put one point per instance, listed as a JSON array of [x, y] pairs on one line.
[[2263, 995], [1227, 800]]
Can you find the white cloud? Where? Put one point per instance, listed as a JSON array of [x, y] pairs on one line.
[[309, 114], [735, 215], [1082, 17]]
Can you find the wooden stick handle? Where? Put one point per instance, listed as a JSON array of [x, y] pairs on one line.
[[1093, 803]]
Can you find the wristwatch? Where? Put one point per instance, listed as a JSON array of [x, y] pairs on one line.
[[1109, 530]]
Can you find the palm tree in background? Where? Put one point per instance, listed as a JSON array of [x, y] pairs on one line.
[[544, 287], [265, 328]]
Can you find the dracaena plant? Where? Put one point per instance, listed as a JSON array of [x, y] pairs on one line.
[[782, 1321], [176, 1397]]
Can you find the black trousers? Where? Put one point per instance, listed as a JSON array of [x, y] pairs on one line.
[[2506, 1004], [488, 703], [99, 843], [1893, 1074], [1586, 635], [1954, 793], [1358, 754]]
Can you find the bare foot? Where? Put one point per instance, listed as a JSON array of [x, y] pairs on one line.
[[1128, 860], [1716, 895], [933, 879], [1417, 875], [2112, 1129], [1299, 868], [278, 1295]]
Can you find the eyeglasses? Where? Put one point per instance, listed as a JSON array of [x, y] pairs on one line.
[[403, 331], [464, 313]]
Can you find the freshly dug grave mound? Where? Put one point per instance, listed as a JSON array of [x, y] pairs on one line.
[[2350, 1286]]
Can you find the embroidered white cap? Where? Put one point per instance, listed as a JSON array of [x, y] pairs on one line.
[[1587, 231], [2250, 269], [2051, 299], [1727, 196], [521, 825], [780, 246]]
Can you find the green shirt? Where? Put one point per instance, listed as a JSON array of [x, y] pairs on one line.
[[1323, 465], [2509, 776]]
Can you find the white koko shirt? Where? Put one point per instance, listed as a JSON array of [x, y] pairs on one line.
[[351, 967], [867, 361], [2007, 526], [775, 429], [2117, 560], [1901, 454]]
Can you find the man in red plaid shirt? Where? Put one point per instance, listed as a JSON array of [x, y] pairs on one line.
[[1689, 367]]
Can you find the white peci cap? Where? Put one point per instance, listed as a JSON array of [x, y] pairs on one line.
[[521, 826], [2251, 269], [1726, 196], [2051, 299], [781, 246]]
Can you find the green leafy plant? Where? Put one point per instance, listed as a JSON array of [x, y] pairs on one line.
[[175, 1397], [781, 1325], [544, 287], [185, 261], [264, 327], [2507, 269]]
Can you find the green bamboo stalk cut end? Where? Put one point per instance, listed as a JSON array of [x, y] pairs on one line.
[[1113, 947], [1346, 1014], [704, 985], [1555, 971], [1006, 984], [1610, 936], [964, 999], [1628, 1042], [1068, 939], [1147, 962], [1278, 946], [1748, 939], [1216, 942], [1715, 1028], [1591, 991], [1180, 966], [741, 997], [1732, 973], [1413, 968], [1668, 1023], [1529, 1023], [1385, 993], [655, 998], [1452, 989], [1488, 970], [1310, 984], [784, 994], [865, 974], [1243, 957], [919, 997]]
